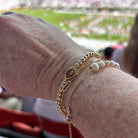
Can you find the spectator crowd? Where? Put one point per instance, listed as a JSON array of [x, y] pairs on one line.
[[8, 4]]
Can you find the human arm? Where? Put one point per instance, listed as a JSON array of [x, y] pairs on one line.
[[35, 56], [106, 105], [29, 48]]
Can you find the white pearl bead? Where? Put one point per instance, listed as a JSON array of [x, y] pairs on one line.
[[101, 64], [117, 66], [112, 63], [107, 62], [95, 67]]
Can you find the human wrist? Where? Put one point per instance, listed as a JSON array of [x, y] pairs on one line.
[[73, 73], [53, 71], [71, 57]]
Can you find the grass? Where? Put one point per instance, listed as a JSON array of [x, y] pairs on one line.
[[111, 21], [128, 23], [85, 22], [50, 16]]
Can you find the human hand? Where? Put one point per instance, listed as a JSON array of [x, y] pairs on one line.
[[34, 55]]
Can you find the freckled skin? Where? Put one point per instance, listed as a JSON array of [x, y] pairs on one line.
[[34, 57]]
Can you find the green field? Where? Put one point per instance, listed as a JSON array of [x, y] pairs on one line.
[[50, 16], [86, 24]]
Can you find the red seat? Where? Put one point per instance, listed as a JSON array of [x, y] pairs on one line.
[[18, 116], [27, 129], [59, 128], [5, 123], [26, 123]]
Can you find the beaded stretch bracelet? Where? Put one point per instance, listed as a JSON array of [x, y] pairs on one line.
[[72, 73]]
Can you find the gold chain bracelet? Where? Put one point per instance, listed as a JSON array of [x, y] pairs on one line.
[[72, 73]]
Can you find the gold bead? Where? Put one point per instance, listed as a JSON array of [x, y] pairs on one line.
[[68, 118], [77, 65], [79, 62], [87, 54], [60, 90], [83, 59], [57, 104], [62, 85], [59, 94], [58, 99], [90, 53], [64, 82]]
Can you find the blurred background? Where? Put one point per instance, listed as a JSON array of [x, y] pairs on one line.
[[100, 25], [94, 24]]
